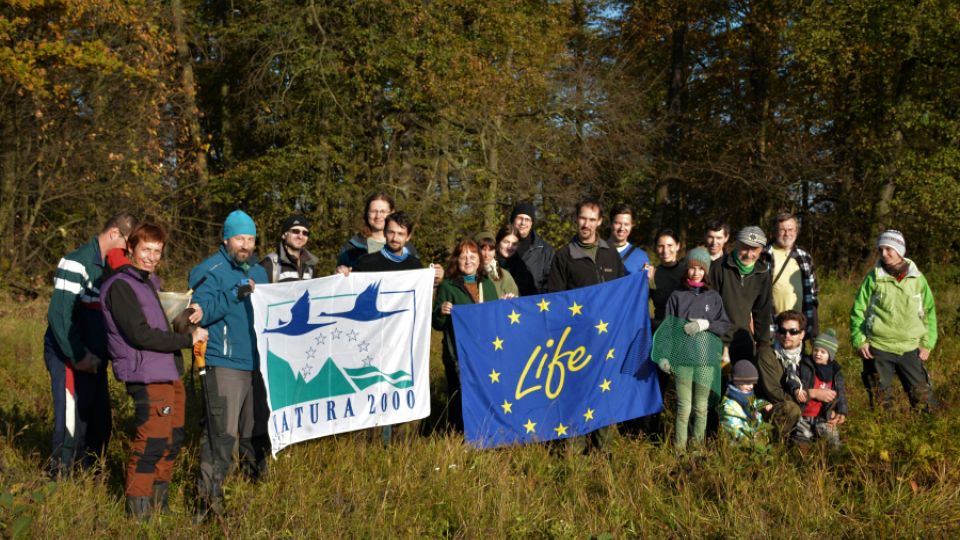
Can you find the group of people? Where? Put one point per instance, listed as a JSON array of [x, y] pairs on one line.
[[758, 300]]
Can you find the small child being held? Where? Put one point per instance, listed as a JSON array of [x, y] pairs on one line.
[[741, 411], [823, 393]]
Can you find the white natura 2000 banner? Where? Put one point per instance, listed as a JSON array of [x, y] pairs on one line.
[[341, 353]]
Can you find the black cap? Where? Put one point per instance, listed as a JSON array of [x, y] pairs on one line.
[[524, 208], [293, 221]]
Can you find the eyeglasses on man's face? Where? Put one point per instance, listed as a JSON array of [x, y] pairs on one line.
[[790, 331], [301, 232]]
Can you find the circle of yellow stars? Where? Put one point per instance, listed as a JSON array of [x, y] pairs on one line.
[[576, 309]]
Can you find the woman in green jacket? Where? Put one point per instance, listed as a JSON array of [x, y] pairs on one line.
[[466, 283]]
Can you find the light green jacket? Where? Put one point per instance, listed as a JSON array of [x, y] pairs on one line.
[[894, 316]]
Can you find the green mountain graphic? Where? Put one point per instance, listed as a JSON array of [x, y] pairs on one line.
[[287, 388], [368, 376]]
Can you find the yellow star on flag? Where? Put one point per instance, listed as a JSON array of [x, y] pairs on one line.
[[497, 344], [602, 327], [507, 407], [514, 317], [531, 426], [610, 354], [575, 309], [588, 416], [494, 376], [561, 429], [544, 305], [605, 386]]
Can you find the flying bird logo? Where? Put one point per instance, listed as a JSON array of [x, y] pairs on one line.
[[365, 308], [298, 324]]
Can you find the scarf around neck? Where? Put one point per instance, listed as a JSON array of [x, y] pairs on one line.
[[744, 268], [395, 258], [743, 399]]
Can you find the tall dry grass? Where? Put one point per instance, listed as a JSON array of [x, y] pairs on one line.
[[898, 474]]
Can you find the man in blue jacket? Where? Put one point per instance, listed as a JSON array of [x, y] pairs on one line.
[[234, 388]]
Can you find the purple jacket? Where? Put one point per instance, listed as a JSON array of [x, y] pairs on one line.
[[132, 364]]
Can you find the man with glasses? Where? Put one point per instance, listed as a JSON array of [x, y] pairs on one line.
[[74, 350], [534, 251], [291, 261], [785, 373], [794, 280]]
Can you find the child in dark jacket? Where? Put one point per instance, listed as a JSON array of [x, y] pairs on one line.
[[822, 394]]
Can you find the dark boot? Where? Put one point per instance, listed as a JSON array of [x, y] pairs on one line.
[[161, 498], [140, 508]]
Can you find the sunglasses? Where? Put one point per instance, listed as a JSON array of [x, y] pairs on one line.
[[301, 232], [791, 331]]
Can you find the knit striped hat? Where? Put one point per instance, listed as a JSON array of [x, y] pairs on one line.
[[893, 240], [827, 340]]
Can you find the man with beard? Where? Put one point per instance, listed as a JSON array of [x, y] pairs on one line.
[[794, 280], [291, 261], [534, 252], [235, 391], [395, 255], [586, 260]]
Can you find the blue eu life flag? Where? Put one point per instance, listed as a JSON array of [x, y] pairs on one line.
[[556, 365]]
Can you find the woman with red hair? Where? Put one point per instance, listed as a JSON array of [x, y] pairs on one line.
[[466, 283]]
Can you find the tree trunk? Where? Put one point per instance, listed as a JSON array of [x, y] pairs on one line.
[[676, 83], [188, 84]]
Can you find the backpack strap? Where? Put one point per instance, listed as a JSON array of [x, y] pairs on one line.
[[275, 265]]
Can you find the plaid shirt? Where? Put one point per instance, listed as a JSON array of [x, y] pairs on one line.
[[810, 289]]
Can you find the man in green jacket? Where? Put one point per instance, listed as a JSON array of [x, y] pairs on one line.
[[893, 325], [75, 351]]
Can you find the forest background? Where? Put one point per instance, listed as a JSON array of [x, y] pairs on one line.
[[181, 111], [843, 112]]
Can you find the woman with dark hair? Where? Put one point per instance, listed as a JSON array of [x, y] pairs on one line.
[[466, 283], [506, 286], [371, 239], [146, 356], [668, 275], [507, 240]]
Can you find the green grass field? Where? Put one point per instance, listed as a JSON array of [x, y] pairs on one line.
[[898, 474]]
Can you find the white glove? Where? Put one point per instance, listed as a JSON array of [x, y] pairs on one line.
[[695, 325], [664, 365]]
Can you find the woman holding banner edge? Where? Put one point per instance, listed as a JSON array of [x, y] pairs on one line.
[[466, 283]]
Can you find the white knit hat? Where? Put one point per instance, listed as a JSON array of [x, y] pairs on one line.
[[893, 240]]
